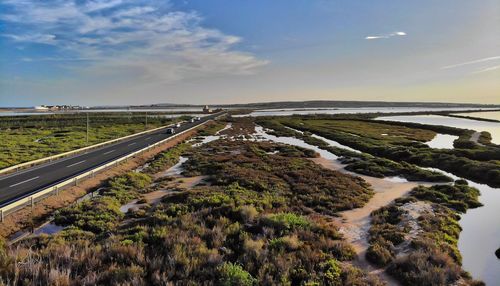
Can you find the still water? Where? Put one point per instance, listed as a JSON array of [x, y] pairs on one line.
[[442, 141], [303, 111], [492, 127], [493, 115], [480, 235]]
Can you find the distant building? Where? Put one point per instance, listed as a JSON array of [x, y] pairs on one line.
[[206, 109], [56, 107]]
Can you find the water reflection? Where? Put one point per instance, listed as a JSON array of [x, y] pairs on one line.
[[303, 111], [492, 127], [442, 141], [480, 235]]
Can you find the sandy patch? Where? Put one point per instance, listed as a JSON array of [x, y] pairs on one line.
[[354, 224], [183, 182]]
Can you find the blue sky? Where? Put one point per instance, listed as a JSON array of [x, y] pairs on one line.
[[222, 51]]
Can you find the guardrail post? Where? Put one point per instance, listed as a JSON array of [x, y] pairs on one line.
[[1, 215], [32, 202], [76, 181], [92, 174]]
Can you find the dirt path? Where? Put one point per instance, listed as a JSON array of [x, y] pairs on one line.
[[355, 224]]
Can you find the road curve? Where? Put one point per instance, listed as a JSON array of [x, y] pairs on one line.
[[22, 184]]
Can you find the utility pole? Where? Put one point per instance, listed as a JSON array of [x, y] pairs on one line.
[[87, 137]]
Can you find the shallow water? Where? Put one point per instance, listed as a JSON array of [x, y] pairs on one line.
[[442, 141], [480, 235], [335, 143], [292, 111], [49, 228], [494, 115], [395, 179], [260, 132], [206, 139], [175, 170], [492, 127]]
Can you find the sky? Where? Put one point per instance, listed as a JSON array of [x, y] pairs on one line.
[[118, 52]]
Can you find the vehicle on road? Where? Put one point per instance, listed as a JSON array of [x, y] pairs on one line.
[[170, 131], [177, 125], [192, 120], [198, 118]]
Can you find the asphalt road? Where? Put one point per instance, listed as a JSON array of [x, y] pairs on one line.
[[27, 182]]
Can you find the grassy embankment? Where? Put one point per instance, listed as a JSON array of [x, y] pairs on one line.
[[480, 164], [263, 220], [27, 138], [422, 230]]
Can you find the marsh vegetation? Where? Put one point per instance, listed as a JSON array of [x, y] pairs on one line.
[[264, 218], [264, 214]]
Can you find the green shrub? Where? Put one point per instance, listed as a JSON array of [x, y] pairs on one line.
[[285, 222], [234, 275], [331, 272]]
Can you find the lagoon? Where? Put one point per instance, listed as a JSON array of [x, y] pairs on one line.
[[492, 127]]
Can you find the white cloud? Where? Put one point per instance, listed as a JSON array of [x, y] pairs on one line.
[[91, 6], [36, 38], [472, 62], [146, 37], [488, 69], [479, 65], [386, 36]]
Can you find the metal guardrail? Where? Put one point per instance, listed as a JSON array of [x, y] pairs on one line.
[[72, 152], [30, 200]]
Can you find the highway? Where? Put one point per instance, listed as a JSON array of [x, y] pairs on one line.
[[24, 183]]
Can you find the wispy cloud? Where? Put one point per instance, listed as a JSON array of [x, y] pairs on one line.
[[483, 60], [478, 65], [386, 36], [148, 38], [488, 69]]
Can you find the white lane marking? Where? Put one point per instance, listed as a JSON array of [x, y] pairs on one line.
[[75, 164], [24, 181], [132, 144], [148, 138], [109, 152]]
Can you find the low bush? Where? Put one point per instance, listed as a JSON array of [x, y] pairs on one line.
[[425, 268], [379, 253], [234, 275]]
